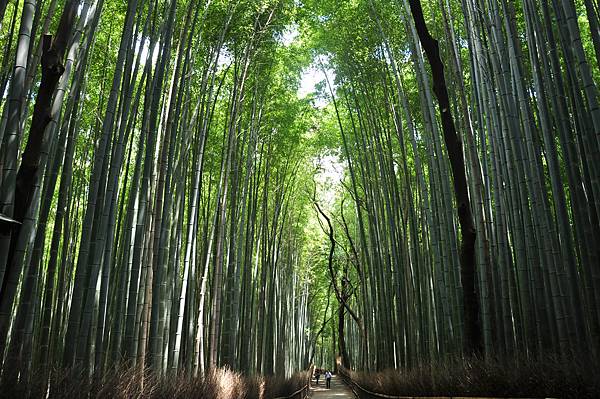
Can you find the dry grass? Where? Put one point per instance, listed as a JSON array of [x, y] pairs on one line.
[[143, 384], [548, 377], [277, 386]]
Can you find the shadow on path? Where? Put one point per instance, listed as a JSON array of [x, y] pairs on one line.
[[338, 390]]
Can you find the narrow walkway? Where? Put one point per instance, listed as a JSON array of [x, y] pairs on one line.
[[338, 390]]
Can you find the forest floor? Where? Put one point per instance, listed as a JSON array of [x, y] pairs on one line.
[[338, 390]]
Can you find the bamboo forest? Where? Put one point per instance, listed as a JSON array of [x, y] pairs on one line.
[[230, 198]]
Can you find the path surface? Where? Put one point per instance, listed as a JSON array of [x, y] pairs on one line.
[[338, 390]]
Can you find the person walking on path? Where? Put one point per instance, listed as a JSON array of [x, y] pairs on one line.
[[317, 375], [338, 389], [328, 379]]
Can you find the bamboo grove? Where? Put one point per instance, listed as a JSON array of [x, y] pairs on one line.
[[522, 79], [160, 205], [163, 227]]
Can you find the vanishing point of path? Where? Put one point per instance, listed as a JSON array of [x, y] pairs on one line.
[[338, 390]]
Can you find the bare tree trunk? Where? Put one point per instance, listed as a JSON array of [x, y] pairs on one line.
[[28, 173], [473, 337]]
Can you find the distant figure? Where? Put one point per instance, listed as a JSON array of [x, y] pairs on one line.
[[328, 379], [317, 375]]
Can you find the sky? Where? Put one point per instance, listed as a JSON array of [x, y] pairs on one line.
[[312, 75], [330, 174], [330, 168]]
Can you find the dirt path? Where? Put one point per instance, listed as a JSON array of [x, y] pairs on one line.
[[338, 390]]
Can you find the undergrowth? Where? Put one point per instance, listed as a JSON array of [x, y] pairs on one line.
[[133, 383], [575, 378]]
